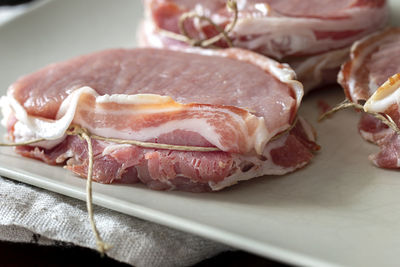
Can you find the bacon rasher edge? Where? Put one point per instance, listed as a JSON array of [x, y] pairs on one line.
[[145, 116], [359, 51], [385, 97]]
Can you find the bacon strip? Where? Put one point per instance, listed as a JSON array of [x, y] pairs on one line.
[[138, 117], [372, 61], [150, 117], [372, 74], [188, 171], [277, 28]]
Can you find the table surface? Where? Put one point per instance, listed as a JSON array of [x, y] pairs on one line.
[[36, 255]]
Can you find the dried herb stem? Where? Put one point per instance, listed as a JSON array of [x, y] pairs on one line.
[[384, 118]]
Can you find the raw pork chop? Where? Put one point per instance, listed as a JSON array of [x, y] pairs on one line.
[[375, 60], [313, 35], [234, 100]]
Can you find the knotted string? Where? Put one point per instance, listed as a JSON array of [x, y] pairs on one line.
[[102, 247], [84, 134], [384, 118], [184, 36]]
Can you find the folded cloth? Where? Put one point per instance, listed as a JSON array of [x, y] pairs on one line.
[[30, 214]]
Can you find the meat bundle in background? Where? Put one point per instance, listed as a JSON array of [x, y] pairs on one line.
[[372, 75], [240, 103], [314, 36]]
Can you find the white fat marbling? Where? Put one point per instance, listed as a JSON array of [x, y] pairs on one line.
[[141, 99], [114, 147]]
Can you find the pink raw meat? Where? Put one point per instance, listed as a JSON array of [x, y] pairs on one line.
[[313, 36], [232, 99], [374, 60]]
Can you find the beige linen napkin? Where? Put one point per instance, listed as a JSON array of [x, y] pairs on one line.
[[31, 214]]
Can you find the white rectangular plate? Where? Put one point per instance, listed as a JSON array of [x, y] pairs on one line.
[[339, 210]]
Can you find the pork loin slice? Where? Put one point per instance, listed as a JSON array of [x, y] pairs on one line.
[[231, 99], [314, 37], [373, 60], [371, 74], [278, 28]]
